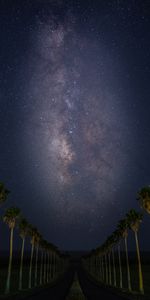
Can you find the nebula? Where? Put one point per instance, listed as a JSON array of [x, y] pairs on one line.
[[74, 122]]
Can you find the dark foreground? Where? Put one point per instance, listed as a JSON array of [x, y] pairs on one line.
[[74, 285]]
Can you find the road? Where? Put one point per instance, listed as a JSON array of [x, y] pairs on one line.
[[61, 290], [58, 291], [94, 292]]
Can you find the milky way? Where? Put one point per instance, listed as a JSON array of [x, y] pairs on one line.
[[76, 125], [74, 114]]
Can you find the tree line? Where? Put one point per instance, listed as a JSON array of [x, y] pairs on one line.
[[101, 262], [52, 262]]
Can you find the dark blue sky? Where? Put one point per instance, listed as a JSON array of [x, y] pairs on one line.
[[74, 114]]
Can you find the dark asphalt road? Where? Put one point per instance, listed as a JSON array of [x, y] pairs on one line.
[[60, 290], [56, 292], [92, 291]]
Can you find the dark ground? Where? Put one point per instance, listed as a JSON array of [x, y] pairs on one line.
[[60, 290]]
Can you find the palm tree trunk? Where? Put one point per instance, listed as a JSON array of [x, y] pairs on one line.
[[109, 268], [57, 266], [10, 262], [106, 267], [36, 262], [98, 267], [47, 267], [41, 268], [91, 264], [44, 268], [141, 288], [95, 266], [30, 270], [102, 269], [120, 266], [114, 267], [54, 265], [128, 267], [21, 264], [50, 267], [97, 270]]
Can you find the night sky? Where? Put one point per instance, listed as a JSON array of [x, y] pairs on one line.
[[75, 114]]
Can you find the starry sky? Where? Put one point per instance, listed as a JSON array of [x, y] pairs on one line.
[[74, 114]]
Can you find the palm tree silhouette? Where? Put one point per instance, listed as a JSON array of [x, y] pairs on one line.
[[123, 226], [32, 231], [118, 239], [134, 219], [23, 228], [45, 260], [108, 246], [144, 198], [41, 245], [106, 266], [114, 241], [3, 193], [49, 250], [37, 240], [9, 218]]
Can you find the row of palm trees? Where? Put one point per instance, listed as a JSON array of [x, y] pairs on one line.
[[101, 261], [52, 263]]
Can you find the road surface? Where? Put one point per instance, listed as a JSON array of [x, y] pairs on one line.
[[62, 289]]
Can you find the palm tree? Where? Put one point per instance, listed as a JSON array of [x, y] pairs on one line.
[[23, 228], [3, 192], [103, 251], [42, 258], [51, 267], [48, 263], [95, 255], [37, 240], [109, 260], [108, 246], [114, 239], [9, 218], [134, 219], [50, 247], [45, 260], [53, 251], [118, 239], [106, 267], [144, 198], [123, 227], [32, 232]]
